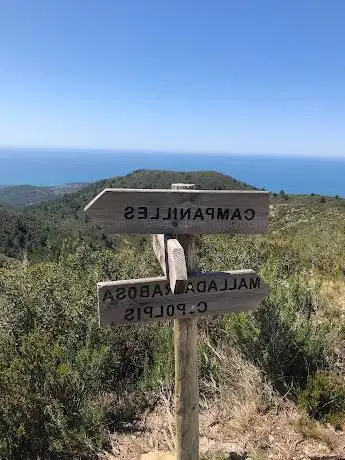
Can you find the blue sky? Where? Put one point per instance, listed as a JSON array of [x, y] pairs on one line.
[[265, 76]]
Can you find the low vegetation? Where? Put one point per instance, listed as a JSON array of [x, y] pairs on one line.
[[27, 195], [66, 384]]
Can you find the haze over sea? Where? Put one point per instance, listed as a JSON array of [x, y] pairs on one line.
[[293, 174]]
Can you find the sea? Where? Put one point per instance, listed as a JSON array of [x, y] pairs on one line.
[[291, 173]]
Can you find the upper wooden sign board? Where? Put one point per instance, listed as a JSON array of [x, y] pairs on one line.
[[179, 211]]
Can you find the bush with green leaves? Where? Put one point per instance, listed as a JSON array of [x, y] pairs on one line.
[[57, 366], [281, 337], [324, 398]]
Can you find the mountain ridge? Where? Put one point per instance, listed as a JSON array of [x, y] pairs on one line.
[[37, 226], [44, 227], [19, 196]]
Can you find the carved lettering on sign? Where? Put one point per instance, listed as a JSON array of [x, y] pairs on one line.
[[156, 290], [124, 302], [180, 211], [143, 212]]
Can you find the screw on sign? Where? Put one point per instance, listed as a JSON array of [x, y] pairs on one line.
[[175, 218]]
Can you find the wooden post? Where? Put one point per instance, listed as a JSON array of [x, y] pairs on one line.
[[186, 366]]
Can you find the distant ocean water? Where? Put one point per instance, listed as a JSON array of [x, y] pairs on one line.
[[292, 174]]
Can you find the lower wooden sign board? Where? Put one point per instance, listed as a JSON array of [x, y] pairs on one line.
[[150, 299]]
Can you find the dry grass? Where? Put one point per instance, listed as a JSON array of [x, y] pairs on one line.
[[333, 294], [244, 411], [332, 302]]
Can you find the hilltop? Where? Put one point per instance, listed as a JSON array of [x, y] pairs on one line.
[[142, 179], [273, 379], [42, 227], [26, 195], [33, 228]]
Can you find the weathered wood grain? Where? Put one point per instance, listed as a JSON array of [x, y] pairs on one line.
[[159, 248], [179, 211], [177, 273], [170, 255], [186, 365], [150, 299]]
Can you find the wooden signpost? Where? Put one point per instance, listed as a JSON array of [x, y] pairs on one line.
[[179, 211], [175, 218], [151, 299]]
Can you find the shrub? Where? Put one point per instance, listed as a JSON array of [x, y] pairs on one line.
[[47, 407], [57, 366], [279, 338], [324, 398]]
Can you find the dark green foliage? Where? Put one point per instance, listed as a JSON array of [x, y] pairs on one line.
[[26, 195], [56, 365], [46, 409], [71, 206], [283, 195], [324, 398], [47, 229], [203, 180], [38, 237], [19, 233], [283, 337], [279, 338]]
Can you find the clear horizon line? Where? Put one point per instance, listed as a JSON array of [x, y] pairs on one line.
[[47, 149]]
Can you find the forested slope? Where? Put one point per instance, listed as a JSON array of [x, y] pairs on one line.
[[26, 195], [71, 206], [46, 228]]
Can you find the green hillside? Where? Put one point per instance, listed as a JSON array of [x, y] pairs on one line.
[[72, 205], [58, 225], [69, 389], [26, 195], [19, 233], [39, 236]]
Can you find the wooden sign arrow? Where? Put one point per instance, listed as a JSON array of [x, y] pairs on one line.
[[170, 255], [179, 211], [150, 299]]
